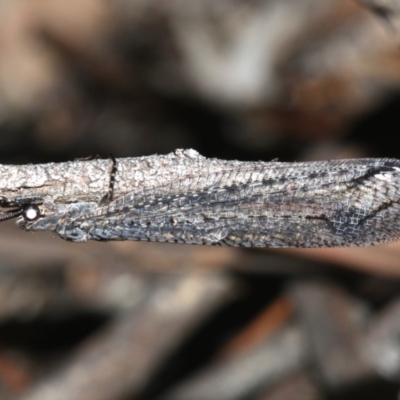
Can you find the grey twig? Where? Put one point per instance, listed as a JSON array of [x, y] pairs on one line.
[[183, 197], [262, 367], [119, 362]]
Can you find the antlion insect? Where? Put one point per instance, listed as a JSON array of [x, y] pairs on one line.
[[183, 197]]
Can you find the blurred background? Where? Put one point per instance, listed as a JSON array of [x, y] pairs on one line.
[[250, 80]]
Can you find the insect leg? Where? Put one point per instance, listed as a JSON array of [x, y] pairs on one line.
[[109, 195]]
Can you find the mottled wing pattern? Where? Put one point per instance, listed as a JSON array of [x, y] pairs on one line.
[[319, 204]]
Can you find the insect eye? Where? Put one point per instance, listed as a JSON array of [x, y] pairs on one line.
[[31, 213]]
